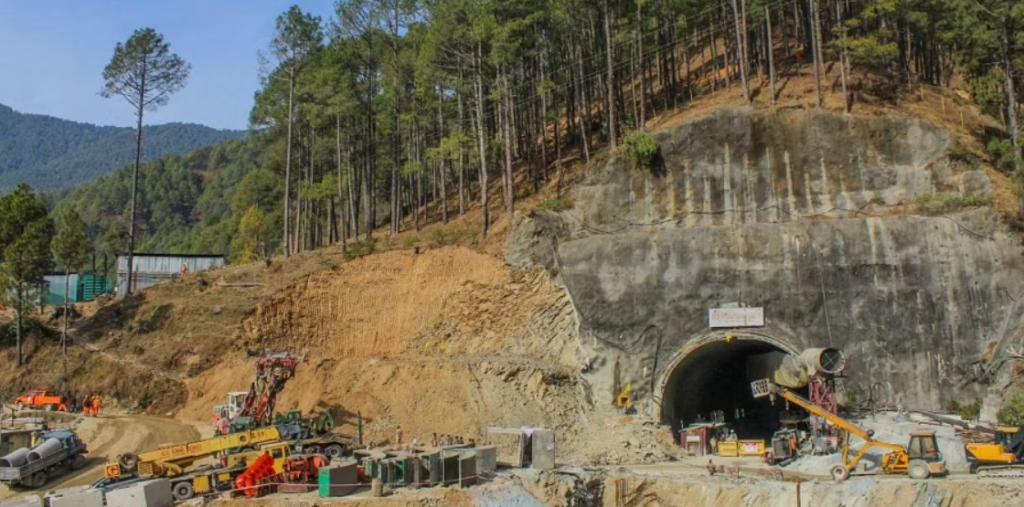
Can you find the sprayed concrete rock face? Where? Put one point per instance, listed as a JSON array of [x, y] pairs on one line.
[[806, 216]]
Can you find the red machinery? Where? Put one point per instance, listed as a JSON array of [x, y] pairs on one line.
[[303, 468], [273, 370]]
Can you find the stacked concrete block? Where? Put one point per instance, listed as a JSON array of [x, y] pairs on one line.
[[155, 493], [430, 463], [543, 447]]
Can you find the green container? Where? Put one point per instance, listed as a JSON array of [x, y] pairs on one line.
[[324, 482], [93, 286]]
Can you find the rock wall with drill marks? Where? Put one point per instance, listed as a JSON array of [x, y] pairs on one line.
[[917, 302], [739, 168]]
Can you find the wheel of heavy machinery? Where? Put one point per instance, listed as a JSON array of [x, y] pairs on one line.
[[128, 461], [312, 449], [39, 480], [183, 491], [918, 470], [51, 470], [334, 451], [840, 473], [77, 462]]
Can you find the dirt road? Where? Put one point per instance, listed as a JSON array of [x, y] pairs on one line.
[[110, 435]]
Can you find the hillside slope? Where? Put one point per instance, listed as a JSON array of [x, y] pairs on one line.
[[51, 153]]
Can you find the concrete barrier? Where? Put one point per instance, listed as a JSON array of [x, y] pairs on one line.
[[486, 460], [28, 501], [80, 498], [155, 493], [543, 449]]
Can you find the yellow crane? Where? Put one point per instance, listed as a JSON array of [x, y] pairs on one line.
[[920, 459], [171, 460]]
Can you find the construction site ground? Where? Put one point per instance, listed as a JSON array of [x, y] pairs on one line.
[[107, 436]]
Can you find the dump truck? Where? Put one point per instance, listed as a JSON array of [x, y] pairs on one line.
[[1004, 456], [57, 453], [41, 399], [920, 459]]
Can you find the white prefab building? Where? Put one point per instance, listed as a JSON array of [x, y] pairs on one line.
[[151, 269]]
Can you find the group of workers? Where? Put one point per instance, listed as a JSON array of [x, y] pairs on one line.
[[91, 406]]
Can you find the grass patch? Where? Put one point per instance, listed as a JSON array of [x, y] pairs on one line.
[[948, 202], [410, 241], [555, 205], [358, 249], [451, 236]]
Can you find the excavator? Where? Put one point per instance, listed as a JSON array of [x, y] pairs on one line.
[[1005, 453], [920, 459]]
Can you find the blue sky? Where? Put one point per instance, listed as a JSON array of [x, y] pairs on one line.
[[52, 54]]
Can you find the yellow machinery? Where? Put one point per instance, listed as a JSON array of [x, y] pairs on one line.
[[172, 461], [919, 460], [1006, 452]]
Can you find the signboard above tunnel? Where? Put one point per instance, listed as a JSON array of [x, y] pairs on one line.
[[736, 317]]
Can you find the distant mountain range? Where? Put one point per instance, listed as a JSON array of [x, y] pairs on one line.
[[51, 154]]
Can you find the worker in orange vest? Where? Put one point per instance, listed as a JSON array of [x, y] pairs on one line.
[[95, 406], [87, 405]]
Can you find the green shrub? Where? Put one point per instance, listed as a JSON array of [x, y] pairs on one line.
[[555, 205], [137, 350], [145, 400], [410, 241], [970, 411], [643, 150], [948, 202], [358, 249], [1012, 411], [451, 236]]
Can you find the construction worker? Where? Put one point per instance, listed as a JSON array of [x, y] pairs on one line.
[[95, 406], [87, 405], [398, 436]]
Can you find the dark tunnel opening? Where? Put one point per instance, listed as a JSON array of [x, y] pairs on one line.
[[717, 377]]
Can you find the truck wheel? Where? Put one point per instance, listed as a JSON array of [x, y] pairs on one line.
[[39, 480], [183, 491], [312, 449], [77, 462], [840, 473], [334, 451], [918, 470], [128, 461]]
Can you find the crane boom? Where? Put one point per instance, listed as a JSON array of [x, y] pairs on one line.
[[171, 460], [839, 422]]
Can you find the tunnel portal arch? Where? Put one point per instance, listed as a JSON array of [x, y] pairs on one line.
[[713, 371]]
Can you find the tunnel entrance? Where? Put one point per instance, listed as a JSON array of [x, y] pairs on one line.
[[714, 375]]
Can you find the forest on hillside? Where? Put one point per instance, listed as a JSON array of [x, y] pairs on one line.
[[50, 153], [393, 107]]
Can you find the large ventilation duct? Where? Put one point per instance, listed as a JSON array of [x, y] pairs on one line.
[[15, 459], [796, 370], [49, 447]]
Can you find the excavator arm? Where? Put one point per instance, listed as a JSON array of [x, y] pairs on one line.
[[839, 422]]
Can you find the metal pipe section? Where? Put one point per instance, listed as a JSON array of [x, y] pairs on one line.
[[796, 370], [15, 459], [49, 447]]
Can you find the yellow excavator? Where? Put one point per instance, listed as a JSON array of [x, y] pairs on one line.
[[920, 459], [1005, 453]]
